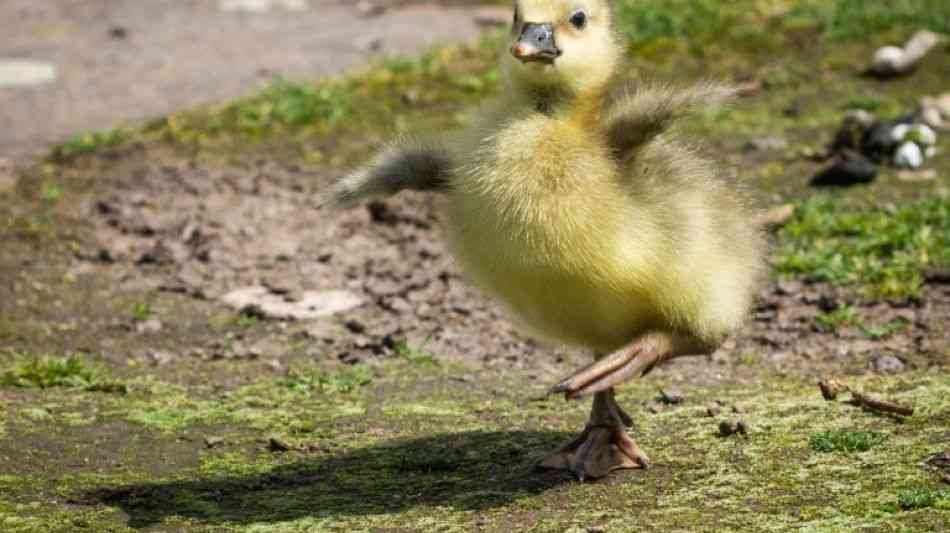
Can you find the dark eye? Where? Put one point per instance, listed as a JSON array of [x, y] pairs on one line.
[[579, 19]]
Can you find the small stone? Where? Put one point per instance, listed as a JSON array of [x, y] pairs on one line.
[[860, 117], [932, 118], [671, 397], [25, 73], [909, 156], [899, 132], [160, 357], [878, 143], [731, 427], [118, 32], [886, 364], [157, 254], [213, 442], [149, 327], [887, 61], [923, 135], [894, 61], [355, 326], [655, 407], [849, 168], [713, 410]]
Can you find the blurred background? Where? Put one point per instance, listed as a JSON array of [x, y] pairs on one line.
[[68, 66]]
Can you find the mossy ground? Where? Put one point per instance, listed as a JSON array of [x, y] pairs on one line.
[[416, 440]]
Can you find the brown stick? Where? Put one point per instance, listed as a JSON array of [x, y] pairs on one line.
[[880, 406], [831, 388]]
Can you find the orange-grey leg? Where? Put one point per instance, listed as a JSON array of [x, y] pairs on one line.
[[632, 361]]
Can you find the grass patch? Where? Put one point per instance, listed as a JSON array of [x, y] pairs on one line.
[[881, 251], [379, 97], [141, 311], [644, 22], [845, 441], [844, 315], [69, 371], [89, 142], [884, 331], [416, 356], [340, 380], [922, 498]]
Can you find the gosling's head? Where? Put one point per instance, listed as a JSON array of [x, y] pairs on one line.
[[562, 44]]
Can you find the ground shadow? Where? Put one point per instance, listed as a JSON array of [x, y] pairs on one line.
[[466, 471]]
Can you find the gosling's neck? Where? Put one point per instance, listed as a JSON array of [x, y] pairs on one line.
[[564, 103]]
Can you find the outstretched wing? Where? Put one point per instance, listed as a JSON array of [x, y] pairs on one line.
[[407, 164], [638, 113]]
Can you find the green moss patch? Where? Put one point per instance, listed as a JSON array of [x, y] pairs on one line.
[[882, 251]]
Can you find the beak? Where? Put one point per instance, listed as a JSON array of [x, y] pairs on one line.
[[536, 44]]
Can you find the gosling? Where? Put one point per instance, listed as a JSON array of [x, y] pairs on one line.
[[572, 202]]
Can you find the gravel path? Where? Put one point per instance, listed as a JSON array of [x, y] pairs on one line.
[[118, 61]]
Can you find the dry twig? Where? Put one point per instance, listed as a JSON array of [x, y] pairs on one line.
[[880, 406], [831, 388]]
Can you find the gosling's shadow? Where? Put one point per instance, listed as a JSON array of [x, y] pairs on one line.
[[465, 471]]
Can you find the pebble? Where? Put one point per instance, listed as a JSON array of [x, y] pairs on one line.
[[886, 364], [212, 442], [923, 135], [849, 168], [149, 327], [861, 117], [887, 60], [909, 156], [894, 61], [878, 142], [899, 132], [935, 111], [671, 397], [731, 427], [25, 73]]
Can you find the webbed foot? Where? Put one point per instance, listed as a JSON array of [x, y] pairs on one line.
[[602, 447]]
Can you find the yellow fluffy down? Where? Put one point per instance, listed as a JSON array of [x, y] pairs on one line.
[[593, 251]]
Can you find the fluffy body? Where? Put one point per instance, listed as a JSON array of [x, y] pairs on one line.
[[580, 209]]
